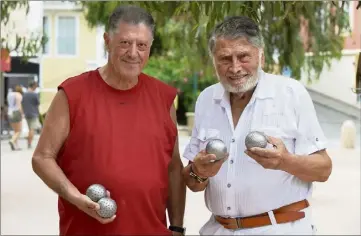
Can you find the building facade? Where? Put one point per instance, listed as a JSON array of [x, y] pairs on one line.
[[71, 49], [338, 84]]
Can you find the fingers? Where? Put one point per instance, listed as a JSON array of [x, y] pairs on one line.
[[264, 153], [92, 205], [257, 158], [108, 194], [204, 158], [276, 142], [104, 220], [93, 213], [219, 163]]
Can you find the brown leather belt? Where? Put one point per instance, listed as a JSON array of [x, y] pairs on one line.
[[284, 214]]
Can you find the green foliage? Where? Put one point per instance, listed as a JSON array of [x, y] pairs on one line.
[[280, 23], [25, 46], [184, 27], [175, 73]]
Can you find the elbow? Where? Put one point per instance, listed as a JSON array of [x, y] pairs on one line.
[[195, 189], [35, 164], [326, 172]]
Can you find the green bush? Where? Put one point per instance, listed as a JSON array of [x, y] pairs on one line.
[[175, 72]]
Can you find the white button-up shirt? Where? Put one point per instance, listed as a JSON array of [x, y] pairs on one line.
[[280, 107]]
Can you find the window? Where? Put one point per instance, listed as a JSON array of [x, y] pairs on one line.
[[46, 33], [66, 36]]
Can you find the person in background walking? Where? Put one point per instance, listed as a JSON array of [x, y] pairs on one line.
[[15, 115], [30, 105]]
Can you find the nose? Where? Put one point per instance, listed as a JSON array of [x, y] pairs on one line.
[[235, 67], [132, 52]]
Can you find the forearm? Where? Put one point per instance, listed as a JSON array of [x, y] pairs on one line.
[[177, 195], [193, 184], [309, 168], [51, 174]]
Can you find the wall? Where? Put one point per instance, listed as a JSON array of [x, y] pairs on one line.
[[55, 69], [337, 80]]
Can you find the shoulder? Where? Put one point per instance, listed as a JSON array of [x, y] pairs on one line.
[[210, 92], [284, 86], [163, 88], [77, 79], [18, 95], [157, 82]]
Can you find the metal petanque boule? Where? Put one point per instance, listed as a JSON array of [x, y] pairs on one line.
[[96, 192], [217, 147], [255, 139], [108, 207]]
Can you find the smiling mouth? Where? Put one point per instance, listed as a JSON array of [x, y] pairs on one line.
[[131, 62], [238, 79]]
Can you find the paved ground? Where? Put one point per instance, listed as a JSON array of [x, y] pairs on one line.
[[28, 207]]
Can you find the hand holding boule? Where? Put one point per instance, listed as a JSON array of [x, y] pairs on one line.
[[206, 165], [270, 158], [85, 204]]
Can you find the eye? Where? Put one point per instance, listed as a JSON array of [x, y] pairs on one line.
[[142, 46], [124, 43], [225, 59]]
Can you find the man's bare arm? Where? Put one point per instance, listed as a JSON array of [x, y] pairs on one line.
[[177, 187], [192, 183], [53, 136], [309, 168]]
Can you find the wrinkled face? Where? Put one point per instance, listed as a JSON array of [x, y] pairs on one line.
[[129, 48], [237, 63]]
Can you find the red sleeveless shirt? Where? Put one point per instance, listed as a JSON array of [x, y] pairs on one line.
[[124, 140]]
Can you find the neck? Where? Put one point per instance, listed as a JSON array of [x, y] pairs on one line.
[[115, 79], [241, 97]]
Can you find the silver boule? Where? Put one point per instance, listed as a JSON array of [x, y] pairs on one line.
[[96, 192], [217, 147], [256, 139], [108, 207]]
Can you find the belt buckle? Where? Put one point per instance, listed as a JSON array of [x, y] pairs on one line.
[[238, 221]]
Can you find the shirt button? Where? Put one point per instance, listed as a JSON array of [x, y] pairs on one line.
[[228, 208], [231, 161], [228, 185], [233, 140], [316, 139], [204, 138]]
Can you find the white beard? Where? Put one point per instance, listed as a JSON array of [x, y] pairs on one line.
[[247, 86]]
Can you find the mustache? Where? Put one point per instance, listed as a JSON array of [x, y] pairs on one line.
[[240, 75], [130, 60]]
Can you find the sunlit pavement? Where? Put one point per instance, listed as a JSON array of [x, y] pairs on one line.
[[29, 207]]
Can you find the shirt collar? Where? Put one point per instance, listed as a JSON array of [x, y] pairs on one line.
[[262, 91]]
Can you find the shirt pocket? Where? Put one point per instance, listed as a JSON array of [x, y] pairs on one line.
[[205, 135]]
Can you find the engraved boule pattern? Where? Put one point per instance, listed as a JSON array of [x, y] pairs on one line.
[[96, 192], [108, 207]]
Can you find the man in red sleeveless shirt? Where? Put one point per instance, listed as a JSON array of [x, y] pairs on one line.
[[115, 126]]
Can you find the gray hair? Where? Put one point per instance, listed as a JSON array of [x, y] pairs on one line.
[[131, 15], [236, 27]]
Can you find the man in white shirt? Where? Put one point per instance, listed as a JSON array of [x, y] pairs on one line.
[[257, 191]]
